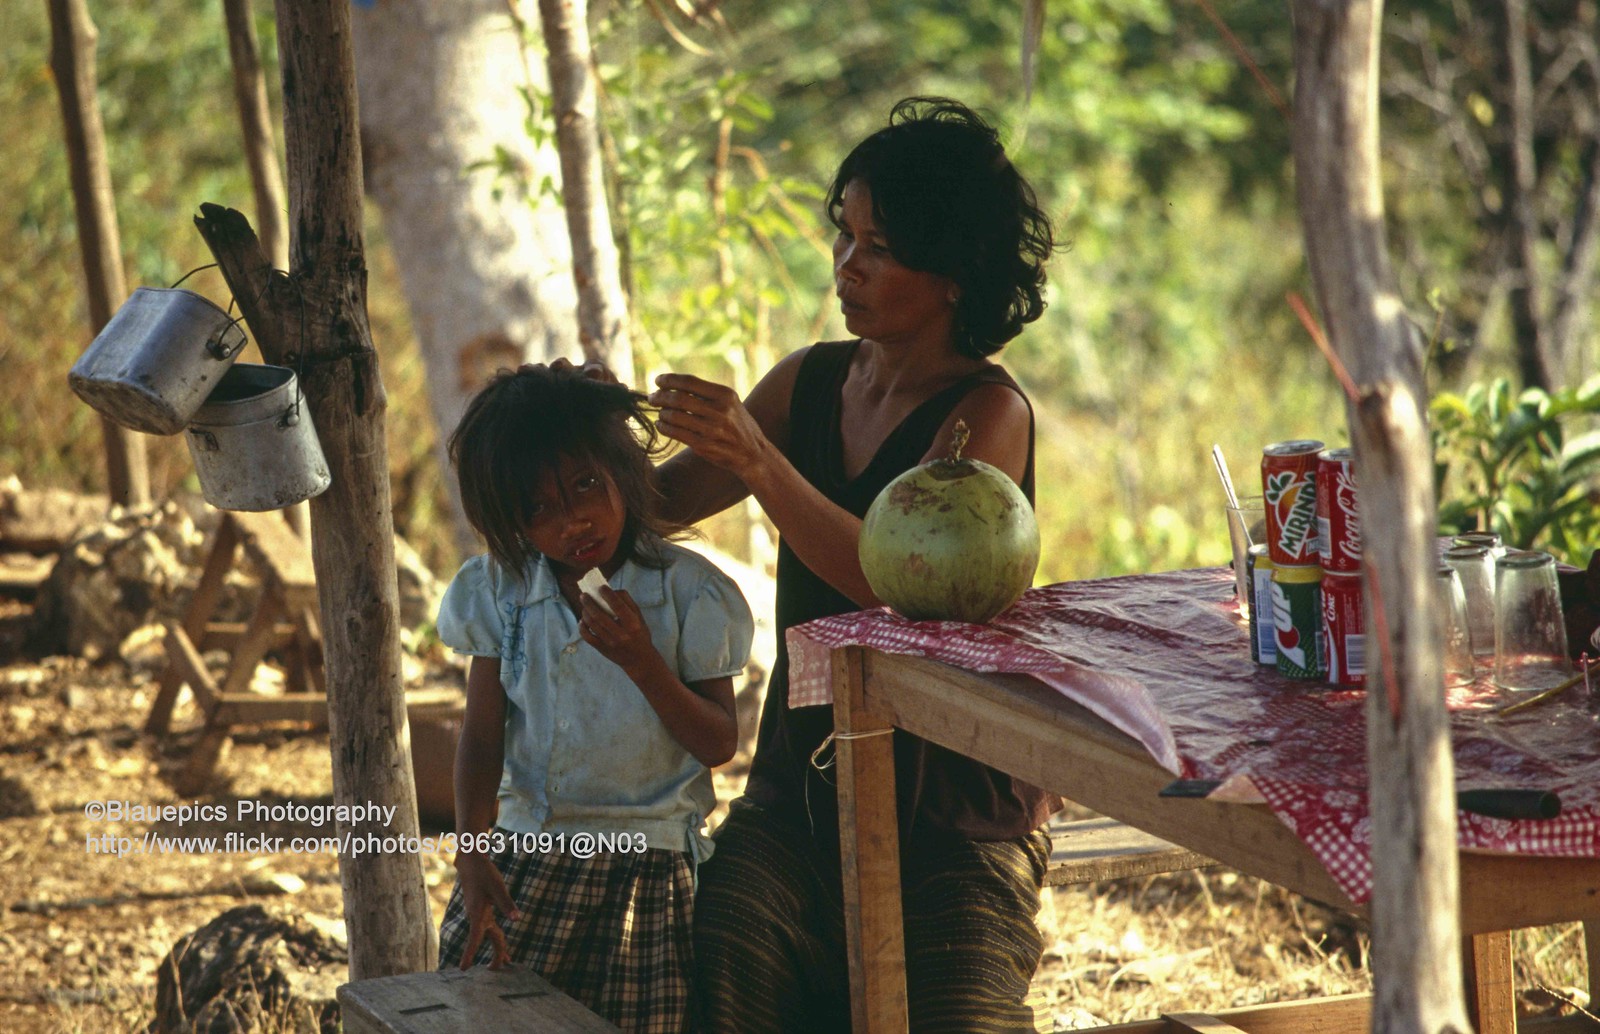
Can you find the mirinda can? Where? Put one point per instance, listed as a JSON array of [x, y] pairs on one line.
[[1342, 629], [1338, 520], [1289, 485]]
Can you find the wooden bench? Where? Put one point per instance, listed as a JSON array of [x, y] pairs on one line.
[[284, 619], [452, 1002], [1091, 850]]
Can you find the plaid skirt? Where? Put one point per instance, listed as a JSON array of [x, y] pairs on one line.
[[613, 931]]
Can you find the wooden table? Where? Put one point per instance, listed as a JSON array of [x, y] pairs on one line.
[[1018, 725]]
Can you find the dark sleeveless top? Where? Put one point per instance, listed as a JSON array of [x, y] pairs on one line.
[[942, 795]]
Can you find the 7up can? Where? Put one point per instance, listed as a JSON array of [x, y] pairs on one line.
[[1289, 485], [1297, 622]]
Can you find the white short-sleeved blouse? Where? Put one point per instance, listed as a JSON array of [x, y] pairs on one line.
[[584, 750]]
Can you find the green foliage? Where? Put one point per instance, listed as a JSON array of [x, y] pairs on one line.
[[1520, 464]]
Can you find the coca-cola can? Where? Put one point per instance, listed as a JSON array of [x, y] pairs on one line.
[[1342, 629], [1289, 485], [1338, 519]]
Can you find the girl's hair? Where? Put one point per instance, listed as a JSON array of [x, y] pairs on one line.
[[522, 424], [949, 202]]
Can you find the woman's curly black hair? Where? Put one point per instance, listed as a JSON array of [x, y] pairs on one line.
[[522, 424], [949, 202]]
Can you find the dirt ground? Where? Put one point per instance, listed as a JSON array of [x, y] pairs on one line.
[[83, 929]]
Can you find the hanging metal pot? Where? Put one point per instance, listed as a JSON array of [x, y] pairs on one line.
[[253, 444], [157, 358]]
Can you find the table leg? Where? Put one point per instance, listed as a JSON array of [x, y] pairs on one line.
[[1591, 950], [869, 842], [1491, 983]]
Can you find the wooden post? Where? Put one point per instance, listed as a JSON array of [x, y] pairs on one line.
[[602, 305], [1415, 942], [869, 831], [72, 46], [315, 321]]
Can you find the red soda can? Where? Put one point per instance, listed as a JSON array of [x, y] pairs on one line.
[[1338, 519], [1342, 632], [1289, 484]]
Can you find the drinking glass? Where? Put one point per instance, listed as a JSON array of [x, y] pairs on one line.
[[1457, 632], [1247, 524], [1530, 635], [1487, 539], [1474, 565]]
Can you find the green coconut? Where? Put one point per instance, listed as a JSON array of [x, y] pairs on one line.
[[953, 540]]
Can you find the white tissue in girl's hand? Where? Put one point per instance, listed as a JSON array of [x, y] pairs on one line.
[[590, 584]]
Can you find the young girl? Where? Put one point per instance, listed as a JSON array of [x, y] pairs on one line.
[[593, 722]]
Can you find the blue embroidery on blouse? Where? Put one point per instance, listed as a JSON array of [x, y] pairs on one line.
[[512, 654]]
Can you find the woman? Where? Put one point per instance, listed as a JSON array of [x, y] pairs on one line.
[[938, 262]]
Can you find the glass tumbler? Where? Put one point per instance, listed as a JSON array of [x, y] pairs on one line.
[[1247, 525], [1487, 539], [1530, 636], [1457, 633], [1474, 565]]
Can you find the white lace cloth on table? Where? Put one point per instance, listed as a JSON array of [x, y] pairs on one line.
[[1165, 659]]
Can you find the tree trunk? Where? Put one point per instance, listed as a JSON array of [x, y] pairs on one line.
[[322, 302], [602, 305], [487, 267], [1534, 361], [72, 47], [1415, 928], [255, 126]]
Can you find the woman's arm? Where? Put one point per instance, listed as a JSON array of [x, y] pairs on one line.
[[710, 420]]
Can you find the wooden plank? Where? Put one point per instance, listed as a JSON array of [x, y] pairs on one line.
[[189, 670], [1574, 1024], [257, 640], [1091, 850], [1591, 951], [280, 555], [225, 635], [869, 842], [255, 708], [1491, 983], [1024, 727], [252, 708], [1336, 1014], [219, 560], [1199, 1023], [453, 1002], [308, 636]]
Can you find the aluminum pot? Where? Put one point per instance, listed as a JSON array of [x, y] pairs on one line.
[[158, 357], [253, 444]]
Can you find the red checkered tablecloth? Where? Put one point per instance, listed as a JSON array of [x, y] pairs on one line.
[[1164, 658]]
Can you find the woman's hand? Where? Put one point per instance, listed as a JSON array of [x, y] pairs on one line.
[[483, 892], [710, 420]]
